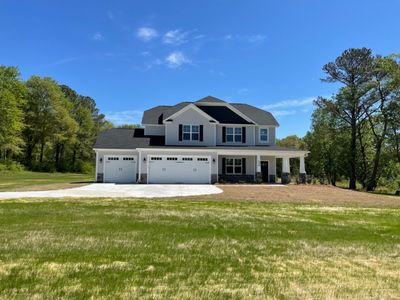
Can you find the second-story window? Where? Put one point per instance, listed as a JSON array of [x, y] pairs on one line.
[[191, 132], [234, 134], [264, 135]]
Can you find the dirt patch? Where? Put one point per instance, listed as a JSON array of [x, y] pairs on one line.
[[320, 194], [49, 187]]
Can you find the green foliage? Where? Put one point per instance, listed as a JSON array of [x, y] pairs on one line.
[[12, 99], [46, 126], [356, 133], [10, 165]]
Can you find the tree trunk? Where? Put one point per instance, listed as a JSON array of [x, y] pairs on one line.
[[373, 180], [41, 151], [57, 156], [353, 155]]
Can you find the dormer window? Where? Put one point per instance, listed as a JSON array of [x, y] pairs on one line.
[[191, 132], [234, 134], [264, 135]]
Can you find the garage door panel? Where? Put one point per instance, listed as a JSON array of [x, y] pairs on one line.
[[120, 168], [179, 169]]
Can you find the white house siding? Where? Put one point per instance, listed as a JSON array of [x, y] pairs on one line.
[[271, 135], [154, 130], [190, 117], [249, 135]]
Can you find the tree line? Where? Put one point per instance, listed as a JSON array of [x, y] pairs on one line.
[[355, 133], [45, 126]]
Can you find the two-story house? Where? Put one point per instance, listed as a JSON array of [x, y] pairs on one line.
[[206, 141]]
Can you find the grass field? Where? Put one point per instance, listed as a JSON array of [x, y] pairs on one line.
[[25, 180], [196, 249]]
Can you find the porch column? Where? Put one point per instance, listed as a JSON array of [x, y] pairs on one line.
[[258, 169], [285, 170], [139, 168], [302, 176]]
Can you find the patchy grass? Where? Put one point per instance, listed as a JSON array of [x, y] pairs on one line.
[[25, 180], [102, 248]]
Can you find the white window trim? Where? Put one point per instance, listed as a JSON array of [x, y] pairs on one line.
[[190, 132], [234, 127], [234, 166], [259, 135]]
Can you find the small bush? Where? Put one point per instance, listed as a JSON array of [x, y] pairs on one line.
[[84, 167], [10, 165]]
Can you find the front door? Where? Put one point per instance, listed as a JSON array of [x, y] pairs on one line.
[[264, 171]]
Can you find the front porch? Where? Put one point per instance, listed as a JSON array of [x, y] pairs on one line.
[[257, 168]]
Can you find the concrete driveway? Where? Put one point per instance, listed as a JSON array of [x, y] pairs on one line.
[[121, 190]]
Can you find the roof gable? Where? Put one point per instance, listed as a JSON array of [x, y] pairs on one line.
[[223, 114], [210, 99]]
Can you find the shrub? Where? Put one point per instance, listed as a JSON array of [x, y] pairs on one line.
[[10, 165], [84, 167]]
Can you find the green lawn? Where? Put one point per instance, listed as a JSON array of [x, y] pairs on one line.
[[10, 181], [186, 249]]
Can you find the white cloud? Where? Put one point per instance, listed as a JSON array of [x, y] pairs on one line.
[[280, 113], [146, 33], [98, 36], [252, 38], [175, 37], [291, 103], [145, 53], [124, 117], [176, 59], [256, 38], [243, 91], [63, 61]]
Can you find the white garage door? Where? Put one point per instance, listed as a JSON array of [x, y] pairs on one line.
[[179, 169], [120, 168]]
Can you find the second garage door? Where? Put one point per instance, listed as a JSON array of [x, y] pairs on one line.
[[179, 169]]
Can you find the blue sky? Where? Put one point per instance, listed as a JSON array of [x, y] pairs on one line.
[[132, 55]]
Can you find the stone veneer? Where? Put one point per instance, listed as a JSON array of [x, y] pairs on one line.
[[100, 177], [236, 178], [286, 178]]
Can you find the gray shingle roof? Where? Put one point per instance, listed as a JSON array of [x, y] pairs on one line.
[[258, 115], [210, 99], [127, 138], [223, 114], [158, 114]]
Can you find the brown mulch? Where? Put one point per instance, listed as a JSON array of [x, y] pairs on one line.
[[316, 194]]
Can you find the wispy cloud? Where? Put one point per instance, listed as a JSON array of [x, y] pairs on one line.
[[146, 33], [175, 37], [281, 113], [124, 117], [243, 90], [176, 59], [290, 107], [290, 103], [63, 61], [251, 38], [98, 36]]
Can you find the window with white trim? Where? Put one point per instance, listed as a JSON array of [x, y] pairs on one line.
[[233, 166], [234, 134], [264, 135], [191, 132]]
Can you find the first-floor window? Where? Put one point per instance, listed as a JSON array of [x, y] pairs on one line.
[[233, 166], [191, 132], [234, 134]]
